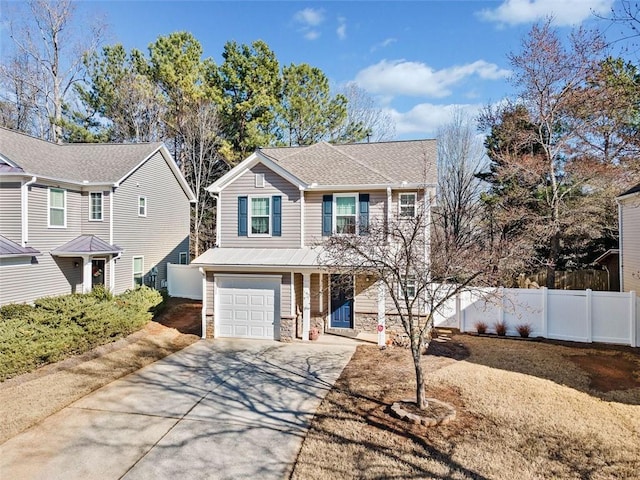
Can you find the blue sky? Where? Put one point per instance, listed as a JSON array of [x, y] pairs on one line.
[[418, 59]]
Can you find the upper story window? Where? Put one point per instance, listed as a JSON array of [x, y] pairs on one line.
[[407, 203], [345, 214], [57, 207], [95, 206], [259, 215], [409, 286], [183, 258], [259, 180], [142, 206]]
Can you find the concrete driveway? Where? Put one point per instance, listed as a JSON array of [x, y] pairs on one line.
[[217, 409]]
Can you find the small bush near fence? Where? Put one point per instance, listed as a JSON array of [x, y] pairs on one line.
[[56, 327]]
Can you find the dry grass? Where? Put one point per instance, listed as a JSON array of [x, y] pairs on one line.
[[526, 410]]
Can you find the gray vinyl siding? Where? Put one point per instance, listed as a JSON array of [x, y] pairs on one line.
[[313, 212], [162, 234], [10, 211], [630, 244], [273, 185], [47, 275]]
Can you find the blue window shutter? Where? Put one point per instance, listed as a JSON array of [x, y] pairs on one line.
[[364, 213], [276, 218], [242, 216], [327, 215]]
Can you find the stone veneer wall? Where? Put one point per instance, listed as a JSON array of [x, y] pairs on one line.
[[287, 328]]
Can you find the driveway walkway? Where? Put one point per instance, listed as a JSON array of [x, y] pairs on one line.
[[217, 409]]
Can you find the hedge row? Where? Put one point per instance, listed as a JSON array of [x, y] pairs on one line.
[[57, 327]]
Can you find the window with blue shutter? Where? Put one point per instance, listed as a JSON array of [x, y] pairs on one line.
[[276, 218], [242, 216], [364, 213], [327, 215]]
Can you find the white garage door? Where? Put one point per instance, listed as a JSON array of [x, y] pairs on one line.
[[247, 306]]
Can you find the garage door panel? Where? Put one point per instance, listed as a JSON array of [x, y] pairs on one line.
[[247, 307]]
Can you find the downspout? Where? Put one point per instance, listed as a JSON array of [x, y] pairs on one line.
[[302, 207], [24, 197], [112, 262]]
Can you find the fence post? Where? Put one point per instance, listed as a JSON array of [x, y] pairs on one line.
[[545, 312], [633, 319], [501, 313], [458, 316], [589, 299]]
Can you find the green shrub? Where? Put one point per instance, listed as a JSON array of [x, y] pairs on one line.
[[56, 327], [101, 293]]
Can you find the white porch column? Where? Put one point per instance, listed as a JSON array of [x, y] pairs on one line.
[[112, 273], [86, 274], [306, 305], [382, 330]]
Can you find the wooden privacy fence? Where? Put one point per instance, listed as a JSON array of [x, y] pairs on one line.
[[581, 316], [569, 280], [184, 281]]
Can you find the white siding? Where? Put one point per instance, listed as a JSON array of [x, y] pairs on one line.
[[273, 185]]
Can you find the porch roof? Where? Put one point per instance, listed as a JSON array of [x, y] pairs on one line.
[[12, 249], [86, 245], [260, 257]]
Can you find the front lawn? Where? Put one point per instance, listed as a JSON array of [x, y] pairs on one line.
[[57, 327], [526, 410]]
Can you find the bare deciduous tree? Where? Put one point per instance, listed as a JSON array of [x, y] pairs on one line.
[[47, 34], [461, 157], [414, 270], [363, 112]]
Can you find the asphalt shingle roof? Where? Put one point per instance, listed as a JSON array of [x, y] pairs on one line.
[[412, 161], [635, 189], [77, 162]]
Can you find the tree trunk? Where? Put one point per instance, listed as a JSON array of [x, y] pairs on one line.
[[552, 260], [421, 397]]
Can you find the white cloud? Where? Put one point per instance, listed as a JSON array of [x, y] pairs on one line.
[[424, 119], [400, 77], [341, 31], [307, 20], [383, 44], [564, 12], [309, 17]]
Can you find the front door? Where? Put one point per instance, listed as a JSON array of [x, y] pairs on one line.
[[341, 301], [97, 271]]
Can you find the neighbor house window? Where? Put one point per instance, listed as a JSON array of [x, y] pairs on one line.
[[183, 258], [259, 215], [138, 271], [142, 206], [408, 205], [57, 207], [409, 286], [95, 206], [345, 214]]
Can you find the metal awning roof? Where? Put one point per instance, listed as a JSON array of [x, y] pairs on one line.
[[12, 249], [260, 257], [86, 245]]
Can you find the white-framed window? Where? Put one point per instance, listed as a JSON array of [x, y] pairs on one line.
[[407, 204], [183, 258], [408, 285], [57, 207], [138, 271], [142, 206], [259, 180], [260, 216], [95, 206], [345, 217]]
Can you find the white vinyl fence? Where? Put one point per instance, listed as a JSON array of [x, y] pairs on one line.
[[184, 281], [576, 315]]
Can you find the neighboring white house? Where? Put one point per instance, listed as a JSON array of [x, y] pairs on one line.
[[76, 215], [629, 222], [275, 207]]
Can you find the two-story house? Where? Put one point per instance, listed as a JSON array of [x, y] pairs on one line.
[[275, 208], [76, 215]]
